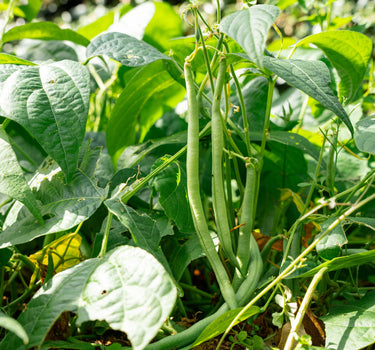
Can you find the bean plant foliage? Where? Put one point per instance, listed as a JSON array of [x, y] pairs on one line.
[[184, 179]]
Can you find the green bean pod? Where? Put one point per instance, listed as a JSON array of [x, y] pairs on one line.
[[192, 171], [218, 194]]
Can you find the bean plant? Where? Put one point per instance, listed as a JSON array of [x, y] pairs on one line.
[[147, 177]]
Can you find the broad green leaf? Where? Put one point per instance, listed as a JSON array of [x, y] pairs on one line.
[[61, 293], [343, 262], [127, 288], [44, 31], [125, 49], [5, 255], [53, 50], [51, 102], [297, 141], [330, 246], [132, 292], [313, 78], [10, 59], [351, 325], [222, 323], [144, 229], [249, 28], [172, 187], [12, 325], [368, 222], [98, 26], [364, 135], [349, 52], [164, 25], [12, 179], [149, 94], [66, 205]]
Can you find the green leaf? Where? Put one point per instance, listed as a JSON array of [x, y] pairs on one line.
[[51, 102], [330, 246], [172, 187], [364, 135], [65, 205], [10, 59], [28, 11], [297, 141], [368, 222], [132, 292], [13, 326], [313, 78], [149, 94], [351, 325], [343, 262], [12, 179], [61, 293], [349, 52], [249, 28], [101, 24], [125, 49], [44, 31], [47, 50], [222, 323], [127, 288]]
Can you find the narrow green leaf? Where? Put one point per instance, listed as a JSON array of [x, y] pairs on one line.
[[313, 78], [132, 292], [150, 93], [44, 31], [51, 102], [364, 135], [125, 49], [349, 52], [28, 11], [330, 246], [12, 180], [13, 326], [10, 59], [222, 323], [351, 325], [171, 184], [343, 262], [249, 28]]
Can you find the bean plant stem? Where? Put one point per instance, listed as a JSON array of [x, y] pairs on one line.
[[296, 323], [103, 249], [192, 171], [8, 17]]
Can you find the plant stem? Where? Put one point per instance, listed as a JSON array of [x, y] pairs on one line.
[[8, 17], [103, 249], [192, 170], [296, 323]]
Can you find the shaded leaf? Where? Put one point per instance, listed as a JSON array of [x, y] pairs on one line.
[[313, 78], [44, 31], [364, 135], [249, 28], [171, 184], [149, 94], [330, 245], [351, 325], [12, 179], [222, 323], [349, 52], [47, 50], [51, 102], [125, 49]]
